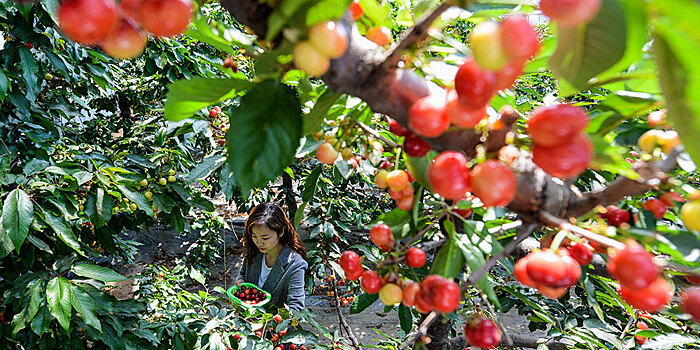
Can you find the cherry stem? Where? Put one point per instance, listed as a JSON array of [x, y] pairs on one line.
[[553, 221], [375, 134], [558, 239], [343, 323]]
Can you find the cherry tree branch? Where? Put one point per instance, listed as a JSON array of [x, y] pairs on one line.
[[341, 318], [421, 331]]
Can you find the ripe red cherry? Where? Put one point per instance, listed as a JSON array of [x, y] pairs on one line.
[[356, 10], [651, 299], [570, 13], [381, 234], [546, 267], [415, 257], [131, 8], [641, 325], [371, 282], [446, 299], [125, 42], [565, 161], [165, 18], [292, 346], [616, 216], [448, 175], [409, 294], [277, 318], [350, 261], [428, 116], [521, 274], [692, 279], [87, 21], [656, 207], [396, 128], [326, 154], [462, 115], [582, 252], [475, 86], [519, 39], [483, 333], [354, 275], [633, 266], [415, 147], [556, 125], [379, 35], [657, 118], [690, 302], [573, 271], [669, 197], [494, 183]]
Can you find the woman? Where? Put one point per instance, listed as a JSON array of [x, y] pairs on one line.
[[274, 256]]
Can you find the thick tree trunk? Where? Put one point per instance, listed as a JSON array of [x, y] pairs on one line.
[[289, 198]]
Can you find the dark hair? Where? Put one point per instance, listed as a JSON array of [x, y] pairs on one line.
[[273, 217]]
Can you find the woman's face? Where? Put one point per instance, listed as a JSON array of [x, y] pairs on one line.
[[264, 238]]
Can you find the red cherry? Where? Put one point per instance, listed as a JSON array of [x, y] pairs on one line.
[[692, 279], [371, 282], [131, 8], [669, 197], [565, 161], [462, 115], [292, 346], [546, 267], [29, 45], [641, 325], [165, 18], [409, 294], [690, 302], [213, 113], [415, 257], [556, 125], [381, 234], [657, 118], [474, 85], [570, 13], [494, 183], [506, 76], [521, 274], [463, 212], [483, 333], [350, 261], [633, 266], [651, 299], [616, 216], [449, 176], [126, 41], [277, 318], [354, 275], [87, 21], [403, 203], [552, 292], [379, 35], [573, 271], [519, 39], [237, 337], [582, 252], [396, 128], [428, 116], [656, 207], [415, 147], [446, 299], [356, 11]]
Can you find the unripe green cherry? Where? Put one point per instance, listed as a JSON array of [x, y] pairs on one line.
[[162, 181]]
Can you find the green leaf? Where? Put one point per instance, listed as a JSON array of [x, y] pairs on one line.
[[590, 297], [99, 207], [265, 133], [310, 184], [197, 276], [398, 220], [312, 121], [449, 260], [63, 231], [676, 48], [58, 295], [42, 320], [377, 11], [419, 168], [30, 73], [300, 336], [361, 302], [137, 198], [32, 298], [227, 181], [282, 14], [205, 168], [3, 87], [98, 272], [83, 303], [476, 260], [17, 215], [186, 97], [588, 50], [405, 318], [669, 341], [226, 38]]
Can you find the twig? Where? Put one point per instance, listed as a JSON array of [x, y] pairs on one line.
[[414, 35], [523, 233], [375, 134], [341, 318], [505, 227], [508, 339], [421, 331], [627, 327], [553, 221]]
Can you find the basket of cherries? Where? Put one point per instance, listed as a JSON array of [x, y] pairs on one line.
[[248, 296]]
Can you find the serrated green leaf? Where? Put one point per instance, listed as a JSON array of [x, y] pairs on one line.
[[98, 272], [361, 302], [449, 260], [405, 318], [186, 97], [30, 73], [265, 133], [63, 231], [17, 215]]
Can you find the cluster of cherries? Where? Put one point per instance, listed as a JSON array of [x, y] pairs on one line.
[[120, 30], [641, 284], [250, 295], [326, 40], [551, 272], [400, 189], [561, 147]]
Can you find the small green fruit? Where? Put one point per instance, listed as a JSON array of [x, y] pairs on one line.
[[172, 172], [48, 76], [162, 181], [148, 195], [133, 207], [172, 179], [143, 183]]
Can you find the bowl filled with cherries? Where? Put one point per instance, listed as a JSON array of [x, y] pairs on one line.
[[248, 296]]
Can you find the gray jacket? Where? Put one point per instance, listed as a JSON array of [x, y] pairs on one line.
[[286, 279]]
